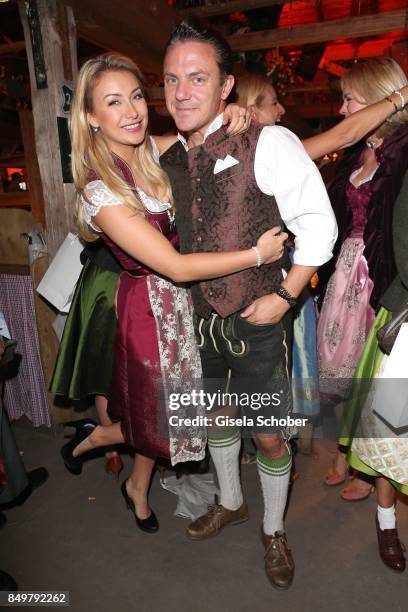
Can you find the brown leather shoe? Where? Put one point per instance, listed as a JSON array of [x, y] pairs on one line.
[[279, 565], [217, 517], [390, 547]]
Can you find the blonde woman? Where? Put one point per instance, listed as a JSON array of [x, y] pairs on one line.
[[125, 197]]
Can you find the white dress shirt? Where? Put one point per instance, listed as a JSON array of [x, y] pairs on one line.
[[284, 169]]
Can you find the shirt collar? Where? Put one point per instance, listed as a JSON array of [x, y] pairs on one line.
[[213, 127]]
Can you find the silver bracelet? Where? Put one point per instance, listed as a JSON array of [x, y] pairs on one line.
[[259, 260], [397, 91]]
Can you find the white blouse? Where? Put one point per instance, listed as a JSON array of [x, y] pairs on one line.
[[99, 195]]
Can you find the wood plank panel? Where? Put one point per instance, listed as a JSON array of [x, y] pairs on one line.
[[136, 28], [369, 25], [14, 224]]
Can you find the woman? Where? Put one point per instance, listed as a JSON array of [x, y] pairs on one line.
[[124, 196], [363, 195], [84, 363], [376, 450]]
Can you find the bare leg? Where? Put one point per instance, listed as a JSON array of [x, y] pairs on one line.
[[386, 494], [340, 462], [101, 405], [102, 435], [138, 484]]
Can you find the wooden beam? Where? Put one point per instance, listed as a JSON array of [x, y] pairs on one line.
[[13, 47], [368, 48], [369, 25], [22, 269], [9, 107], [31, 165], [230, 6], [67, 32], [47, 108], [18, 199]]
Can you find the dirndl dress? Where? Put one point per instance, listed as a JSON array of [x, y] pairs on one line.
[[155, 351], [346, 315]]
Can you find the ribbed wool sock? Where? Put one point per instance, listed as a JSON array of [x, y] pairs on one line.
[[274, 475], [386, 517], [224, 451]]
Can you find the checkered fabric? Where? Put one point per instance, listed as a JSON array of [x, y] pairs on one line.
[[25, 394]]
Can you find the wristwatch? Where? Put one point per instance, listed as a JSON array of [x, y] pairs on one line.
[[285, 295]]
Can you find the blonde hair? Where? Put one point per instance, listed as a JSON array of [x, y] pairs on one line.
[[251, 89], [91, 153], [374, 80]]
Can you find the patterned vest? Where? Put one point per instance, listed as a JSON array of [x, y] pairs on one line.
[[223, 212]]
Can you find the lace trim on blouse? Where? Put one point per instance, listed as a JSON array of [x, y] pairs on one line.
[[99, 195]]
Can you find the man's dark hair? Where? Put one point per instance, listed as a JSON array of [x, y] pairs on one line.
[[194, 29]]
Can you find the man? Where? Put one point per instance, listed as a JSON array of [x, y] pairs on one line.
[[227, 191]]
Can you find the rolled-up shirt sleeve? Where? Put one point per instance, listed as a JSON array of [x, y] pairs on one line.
[[283, 169]]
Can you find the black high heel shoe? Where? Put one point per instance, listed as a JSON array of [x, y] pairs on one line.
[[83, 428], [149, 524]]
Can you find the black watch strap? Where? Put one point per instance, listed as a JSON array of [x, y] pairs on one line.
[[285, 295]]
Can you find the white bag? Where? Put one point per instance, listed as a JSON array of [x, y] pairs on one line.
[[390, 400], [195, 492], [58, 283]]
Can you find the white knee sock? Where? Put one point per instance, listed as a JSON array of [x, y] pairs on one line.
[[386, 517], [225, 454], [274, 475]]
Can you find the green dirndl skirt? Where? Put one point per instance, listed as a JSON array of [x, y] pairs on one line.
[[367, 368], [84, 362]]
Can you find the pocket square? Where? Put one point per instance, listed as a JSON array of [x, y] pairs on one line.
[[223, 164]]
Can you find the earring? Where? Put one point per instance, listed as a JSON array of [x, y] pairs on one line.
[[96, 129]]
